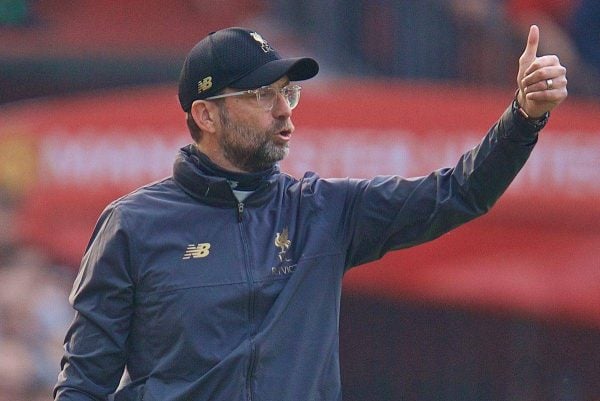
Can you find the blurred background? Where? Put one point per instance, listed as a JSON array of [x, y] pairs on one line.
[[504, 308]]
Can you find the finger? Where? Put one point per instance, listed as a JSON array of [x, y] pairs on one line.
[[533, 40], [541, 86], [540, 75], [548, 96], [543, 61]]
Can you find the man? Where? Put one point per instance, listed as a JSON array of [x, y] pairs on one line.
[[223, 281]]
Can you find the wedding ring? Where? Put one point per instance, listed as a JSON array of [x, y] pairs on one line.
[[549, 84]]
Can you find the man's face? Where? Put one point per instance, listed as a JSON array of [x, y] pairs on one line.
[[252, 138]]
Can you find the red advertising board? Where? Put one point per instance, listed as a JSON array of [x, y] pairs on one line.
[[537, 252]]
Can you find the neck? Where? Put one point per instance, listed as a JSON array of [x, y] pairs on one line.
[[218, 159], [243, 180]]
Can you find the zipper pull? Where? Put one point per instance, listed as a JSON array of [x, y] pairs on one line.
[[240, 211]]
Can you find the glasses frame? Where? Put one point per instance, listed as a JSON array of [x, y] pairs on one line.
[[256, 92]]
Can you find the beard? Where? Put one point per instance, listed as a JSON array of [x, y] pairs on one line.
[[248, 148]]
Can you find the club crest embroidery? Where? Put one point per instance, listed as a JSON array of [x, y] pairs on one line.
[[284, 267], [283, 243], [264, 45]]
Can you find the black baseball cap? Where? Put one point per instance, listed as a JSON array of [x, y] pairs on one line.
[[237, 58]]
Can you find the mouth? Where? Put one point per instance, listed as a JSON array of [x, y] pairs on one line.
[[284, 135]]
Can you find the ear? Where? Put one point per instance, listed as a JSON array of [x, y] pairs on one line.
[[205, 114]]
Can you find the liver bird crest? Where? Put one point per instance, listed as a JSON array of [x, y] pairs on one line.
[[282, 242]]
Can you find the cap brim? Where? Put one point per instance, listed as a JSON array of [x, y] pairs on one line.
[[296, 69]]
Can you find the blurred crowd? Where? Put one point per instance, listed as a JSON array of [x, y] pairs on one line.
[[476, 42], [470, 41], [473, 41], [34, 313]]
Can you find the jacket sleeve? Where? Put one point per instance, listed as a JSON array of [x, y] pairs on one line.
[[102, 296], [391, 212]]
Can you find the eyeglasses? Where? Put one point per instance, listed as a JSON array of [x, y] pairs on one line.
[[266, 96]]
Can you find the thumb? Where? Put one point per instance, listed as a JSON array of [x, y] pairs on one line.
[[530, 51]]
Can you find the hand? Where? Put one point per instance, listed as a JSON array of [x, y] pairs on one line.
[[542, 80]]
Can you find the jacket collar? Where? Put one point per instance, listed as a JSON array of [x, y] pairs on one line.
[[198, 176]]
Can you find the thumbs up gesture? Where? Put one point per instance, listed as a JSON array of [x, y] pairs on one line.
[[542, 80]]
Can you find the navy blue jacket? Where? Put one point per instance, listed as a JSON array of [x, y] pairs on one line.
[[200, 297]]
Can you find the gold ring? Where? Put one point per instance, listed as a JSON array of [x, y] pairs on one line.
[[549, 84]]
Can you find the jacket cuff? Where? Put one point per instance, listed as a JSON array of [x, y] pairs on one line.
[[523, 118], [516, 127]]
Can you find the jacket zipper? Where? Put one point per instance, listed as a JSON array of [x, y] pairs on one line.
[[240, 211], [249, 277], [250, 370]]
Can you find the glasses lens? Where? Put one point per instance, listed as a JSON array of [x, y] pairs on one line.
[[292, 95], [266, 97]]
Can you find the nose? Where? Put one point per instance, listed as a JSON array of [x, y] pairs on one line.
[[281, 108]]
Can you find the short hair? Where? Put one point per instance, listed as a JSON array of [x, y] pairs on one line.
[[195, 131]]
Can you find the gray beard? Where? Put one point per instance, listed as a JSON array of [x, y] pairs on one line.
[[247, 148]]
